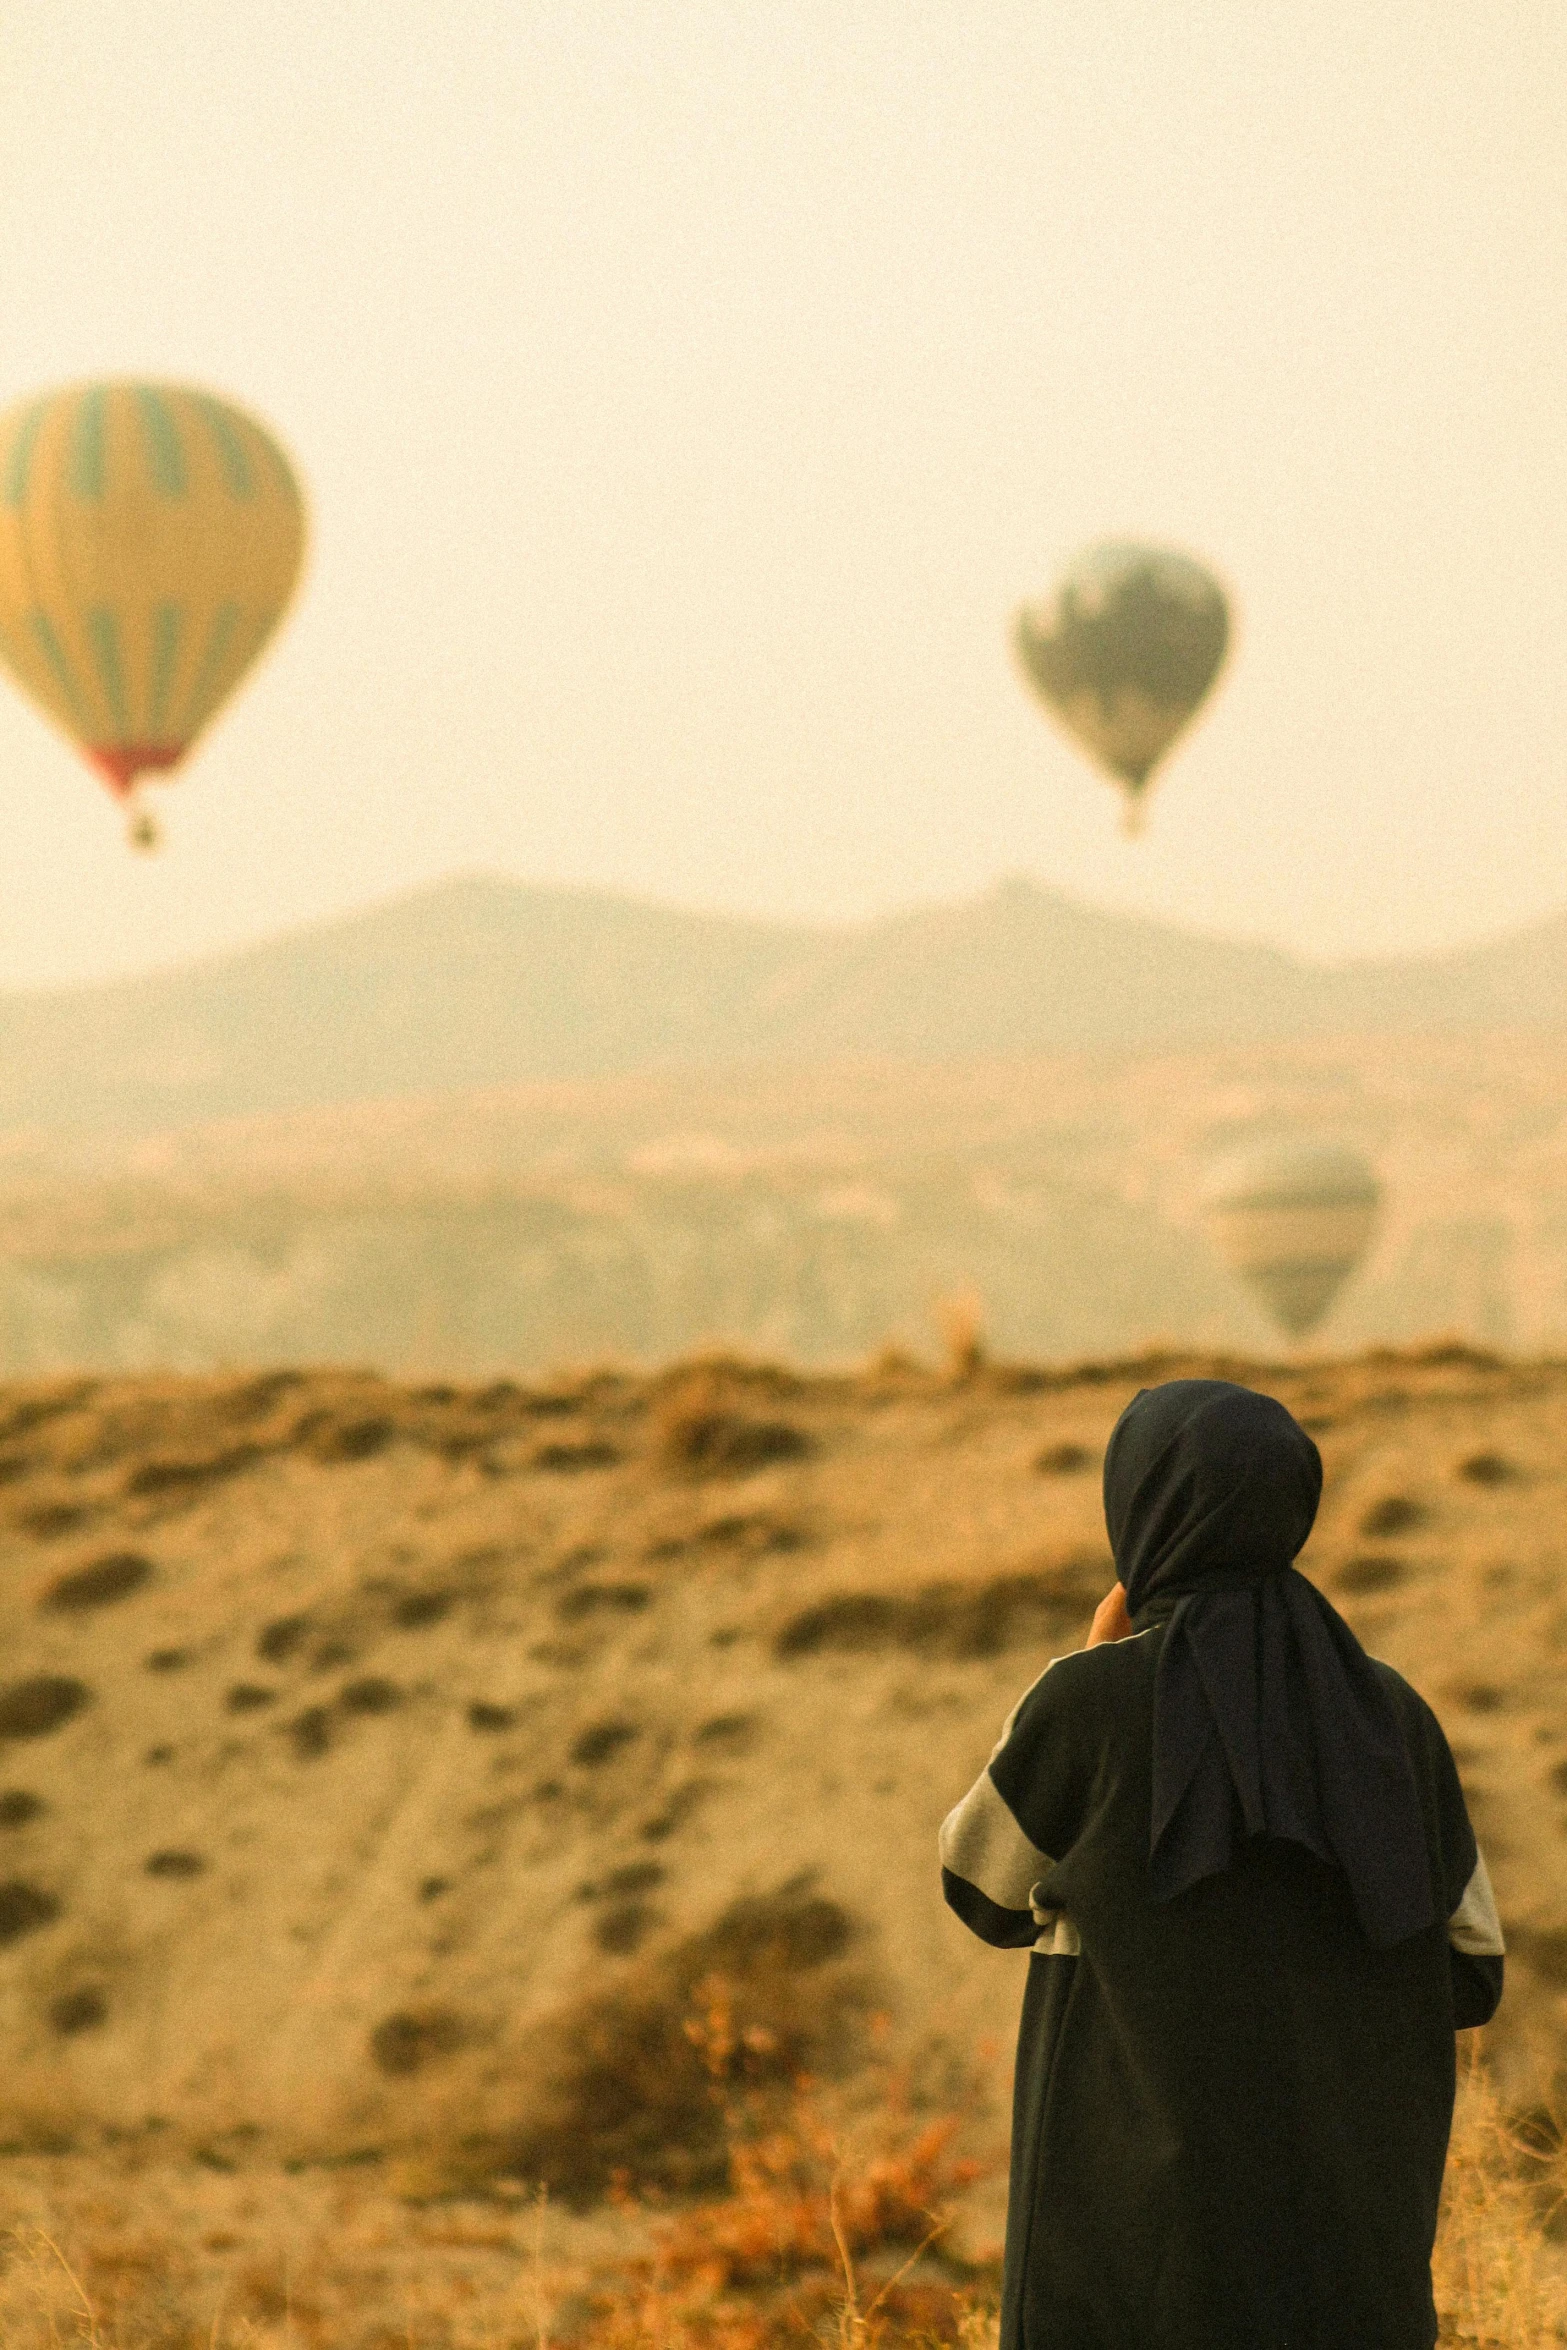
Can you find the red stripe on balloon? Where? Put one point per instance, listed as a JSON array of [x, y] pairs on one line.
[[120, 763]]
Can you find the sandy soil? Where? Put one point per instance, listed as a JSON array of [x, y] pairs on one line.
[[369, 1755]]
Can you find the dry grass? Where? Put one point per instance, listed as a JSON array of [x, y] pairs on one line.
[[827, 2227], [594, 1707], [1500, 2274], [824, 2224]]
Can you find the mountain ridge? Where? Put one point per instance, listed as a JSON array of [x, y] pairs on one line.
[[478, 981]]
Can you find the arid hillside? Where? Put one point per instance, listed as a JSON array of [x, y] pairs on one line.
[[390, 1772]]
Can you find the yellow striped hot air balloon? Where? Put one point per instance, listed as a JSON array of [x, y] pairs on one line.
[[150, 539]]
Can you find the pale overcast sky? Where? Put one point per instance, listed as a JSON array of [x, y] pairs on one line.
[[688, 390]]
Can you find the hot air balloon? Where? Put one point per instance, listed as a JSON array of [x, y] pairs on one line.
[[150, 540], [1122, 654], [1292, 1219]]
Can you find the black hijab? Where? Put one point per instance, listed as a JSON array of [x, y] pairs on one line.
[[1269, 1718]]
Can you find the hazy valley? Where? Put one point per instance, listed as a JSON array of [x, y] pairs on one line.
[[574, 1130]]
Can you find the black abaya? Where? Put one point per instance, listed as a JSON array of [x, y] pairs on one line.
[[1232, 2106]]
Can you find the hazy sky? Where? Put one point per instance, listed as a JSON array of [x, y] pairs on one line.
[[688, 390]]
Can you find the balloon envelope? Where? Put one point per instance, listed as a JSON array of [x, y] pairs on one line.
[[150, 540], [1123, 652], [1292, 1220]]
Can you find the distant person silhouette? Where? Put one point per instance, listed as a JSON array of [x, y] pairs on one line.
[[1239, 1851]]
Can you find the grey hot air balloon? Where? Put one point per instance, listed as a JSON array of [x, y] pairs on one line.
[[1292, 1219], [1122, 654]]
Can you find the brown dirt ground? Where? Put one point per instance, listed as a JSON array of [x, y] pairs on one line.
[[384, 1772]]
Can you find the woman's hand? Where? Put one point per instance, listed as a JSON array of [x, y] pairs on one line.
[[1111, 1621]]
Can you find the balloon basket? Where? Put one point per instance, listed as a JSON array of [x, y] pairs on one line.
[[1134, 816], [143, 831]]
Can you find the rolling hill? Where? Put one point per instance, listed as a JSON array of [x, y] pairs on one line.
[[482, 982]]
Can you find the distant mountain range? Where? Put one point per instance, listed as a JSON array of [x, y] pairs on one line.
[[481, 982]]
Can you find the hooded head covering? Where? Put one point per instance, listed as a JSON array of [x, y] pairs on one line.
[[1269, 1717]]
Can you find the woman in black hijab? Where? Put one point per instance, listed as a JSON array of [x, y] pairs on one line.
[[1238, 1850]]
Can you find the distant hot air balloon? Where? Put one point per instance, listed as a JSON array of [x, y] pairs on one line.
[[150, 540], [1292, 1219], [1122, 654]]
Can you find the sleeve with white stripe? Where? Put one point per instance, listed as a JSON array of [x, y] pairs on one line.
[[1475, 1951], [990, 1870]]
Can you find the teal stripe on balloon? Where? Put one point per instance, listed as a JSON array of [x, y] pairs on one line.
[[278, 466], [54, 653], [166, 625], [17, 471], [88, 457], [164, 452], [104, 637], [205, 690], [231, 449]]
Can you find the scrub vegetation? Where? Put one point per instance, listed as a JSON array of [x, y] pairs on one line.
[[829, 2222], [547, 1774]]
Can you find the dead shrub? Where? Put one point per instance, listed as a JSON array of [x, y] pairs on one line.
[[1373, 1571], [624, 1929], [331, 1439], [1063, 1460], [310, 1733], [625, 2085], [417, 1609], [255, 1397], [636, 1876], [175, 1863], [571, 1459], [280, 1639], [98, 1584], [25, 1909], [371, 1695], [44, 1702], [35, 1411], [1486, 1468], [485, 1717], [47, 1520], [602, 1599], [734, 1734], [248, 1697], [1478, 1697], [1395, 1513], [600, 1742], [698, 1431], [749, 1534], [414, 2037], [816, 2235], [192, 1476], [82, 2010], [955, 1620]]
